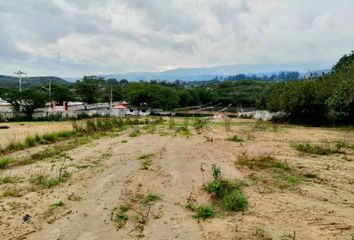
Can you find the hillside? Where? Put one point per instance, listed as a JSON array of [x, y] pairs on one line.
[[12, 82]]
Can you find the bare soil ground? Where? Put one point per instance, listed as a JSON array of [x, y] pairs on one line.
[[107, 173]]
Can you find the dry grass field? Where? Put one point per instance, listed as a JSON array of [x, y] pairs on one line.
[[298, 182], [19, 131]]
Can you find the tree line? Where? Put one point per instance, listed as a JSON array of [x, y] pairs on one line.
[[324, 99], [327, 99]]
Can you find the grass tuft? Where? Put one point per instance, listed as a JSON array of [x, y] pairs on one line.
[[202, 211], [8, 179], [235, 138], [283, 175], [225, 192], [56, 205], [4, 162], [45, 182], [234, 201], [316, 149], [150, 198], [135, 133]]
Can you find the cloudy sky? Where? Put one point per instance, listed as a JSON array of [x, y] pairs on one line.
[[76, 37]]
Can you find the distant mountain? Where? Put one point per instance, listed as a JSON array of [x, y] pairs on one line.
[[198, 74], [12, 82]]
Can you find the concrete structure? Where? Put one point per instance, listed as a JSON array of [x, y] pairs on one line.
[[138, 111], [119, 110], [5, 107]]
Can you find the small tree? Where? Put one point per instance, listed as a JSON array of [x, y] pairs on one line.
[[26, 101]]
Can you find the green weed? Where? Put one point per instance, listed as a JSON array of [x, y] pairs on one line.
[[45, 182], [30, 141], [202, 211], [234, 201], [56, 205], [315, 149], [8, 179], [151, 197], [283, 175], [225, 192], [4, 162], [235, 138]]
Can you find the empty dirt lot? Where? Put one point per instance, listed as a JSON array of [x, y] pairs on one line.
[[107, 173]]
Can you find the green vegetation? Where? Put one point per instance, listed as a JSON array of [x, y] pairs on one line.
[[316, 149], [282, 175], [56, 205], [4, 162], [322, 100], [151, 197], [202, 211], [146, 161], [225, 193], [325, 99], [135, 133], [8, 179], [234, 201], [44, 182], [235, 138]]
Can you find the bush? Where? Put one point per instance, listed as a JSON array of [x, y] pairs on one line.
[[225, 192], [234, 201], [220, 187]]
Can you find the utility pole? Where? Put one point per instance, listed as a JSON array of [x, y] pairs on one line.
[[111, 99], [19, 74]]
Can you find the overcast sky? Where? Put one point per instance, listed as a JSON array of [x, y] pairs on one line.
[[77, 37]]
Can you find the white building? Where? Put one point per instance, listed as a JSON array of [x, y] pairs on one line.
[[5, 106], [119, 110]]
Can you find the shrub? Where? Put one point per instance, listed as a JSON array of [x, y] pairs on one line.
[[220, 187], [234, 201], [4, 162], [225, 192]]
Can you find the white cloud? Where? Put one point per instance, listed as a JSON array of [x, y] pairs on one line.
[[76, 37]]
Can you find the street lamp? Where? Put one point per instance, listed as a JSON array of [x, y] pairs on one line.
[[19, 74]]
